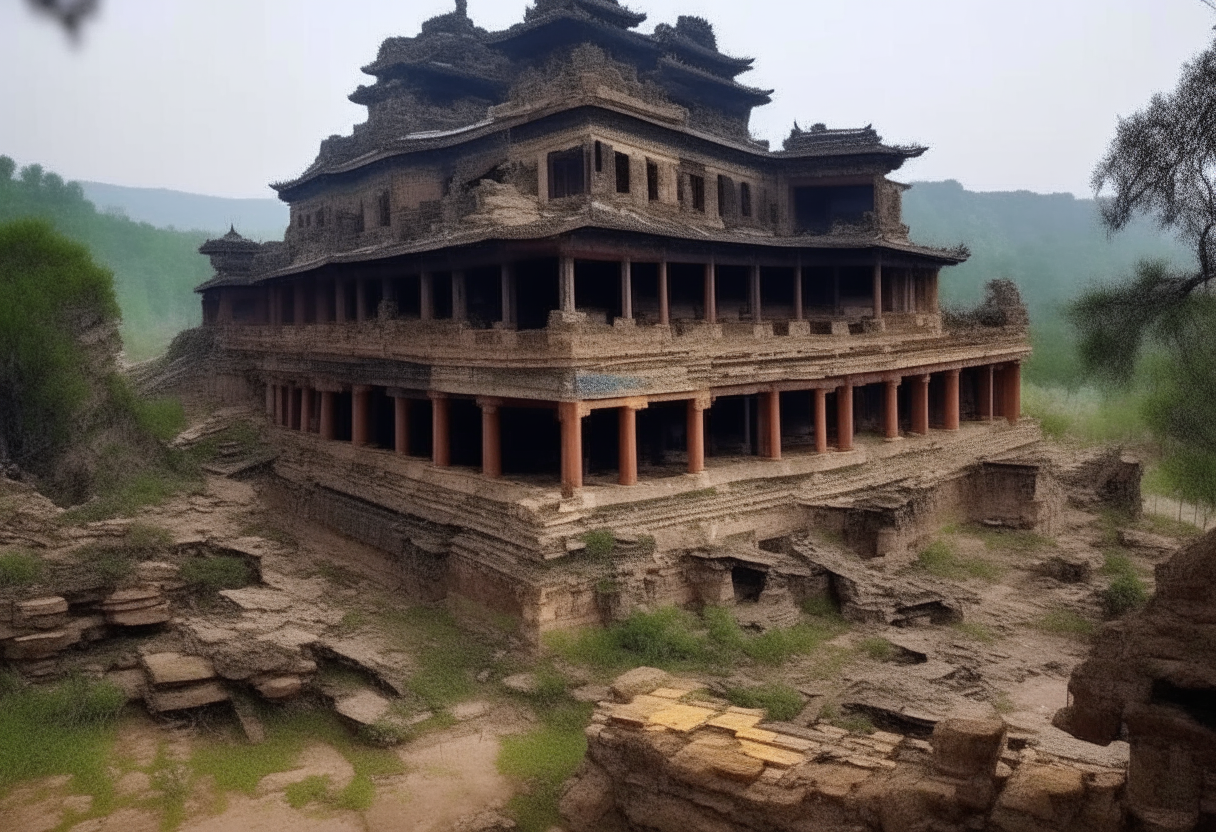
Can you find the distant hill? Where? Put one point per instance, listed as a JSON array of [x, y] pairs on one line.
[[258, 219]]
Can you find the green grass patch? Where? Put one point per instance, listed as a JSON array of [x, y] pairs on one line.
[[1011, 540], [244, 435], [542, 760], [447, 658], [126, 495], [877, 648], [312, 789], [600, 543], [852, 722], [19, 567], [67, 728], [208, 575], [781, 702], [940, 560], [976, 631], [1065, 622], [676, 639]]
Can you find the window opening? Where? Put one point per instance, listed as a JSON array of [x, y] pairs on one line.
[[622, 173], [599, 157], [385, 210], [321, 218], [745, 199], [697, 185], [566, 176], [652, 181]]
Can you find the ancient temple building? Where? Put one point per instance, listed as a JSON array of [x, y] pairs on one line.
[[553, 285]]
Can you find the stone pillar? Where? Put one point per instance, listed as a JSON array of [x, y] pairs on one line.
[[566, 285], [696, 434], [627, 289], [341, 313], [306, 410], [844, 417], [329, 407], [878, 289], [360, 299], [753, 287], [985, 393], [360, 417], [285, 405], [572, 446], [460, 297], [952, 403], [798, 313], [627, 445], [772, 424], [920, 404], [298, 303], [890, 410], [441, 441], [491, 438], [1013, 392], [426, 299], [711, 293], [401, 425], [276, 407], [821, 421], [507, 291], [270, 400], [836, 290], [664, 297]]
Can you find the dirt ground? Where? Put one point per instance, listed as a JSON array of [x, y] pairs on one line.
[[1024, 631]]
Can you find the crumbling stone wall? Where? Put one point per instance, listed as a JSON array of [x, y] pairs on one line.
[[1152, 678]]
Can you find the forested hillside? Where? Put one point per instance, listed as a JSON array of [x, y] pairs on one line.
[[1051, 245], [155, 270], [257, 219]]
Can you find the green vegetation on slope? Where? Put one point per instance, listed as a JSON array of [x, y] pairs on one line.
[[155, 270]]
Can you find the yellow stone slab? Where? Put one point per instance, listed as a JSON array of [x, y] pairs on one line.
[[734, 722], [735, 709], [669, 693], [756, 735], [647, 704], [682, 717], [774, 756], [794, 743]]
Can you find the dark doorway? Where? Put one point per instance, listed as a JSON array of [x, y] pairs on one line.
[[748, 583], [597, 289], [531, 441], [536, 292], [464, 419]]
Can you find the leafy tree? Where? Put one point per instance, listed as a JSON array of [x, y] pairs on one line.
[[1162, 163]]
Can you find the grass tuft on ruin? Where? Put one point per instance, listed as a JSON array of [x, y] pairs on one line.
[[940, 560], [781, 703], [19, 567]]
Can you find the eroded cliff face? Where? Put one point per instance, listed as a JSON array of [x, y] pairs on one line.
[[669, 758], [1151, 679]]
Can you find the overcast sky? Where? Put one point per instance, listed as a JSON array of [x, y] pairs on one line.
[[224, 96]]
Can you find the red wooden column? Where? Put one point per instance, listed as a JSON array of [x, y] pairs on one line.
[[920, 404], [952, 405], [821, 421], [627, 444], [878, 289], [664, 297], [696, 433], [305, 409], [890, 411], [360, 421], [329, 406], [844, 417], [711, 293], [753, 291], [798, 290], [771, 424], [985, 394], [401, 425], [570, 414], [441, 438], [491, 437], [1013, 392]]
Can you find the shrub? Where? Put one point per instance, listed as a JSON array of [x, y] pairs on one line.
[[209, 575], [19, 568], [781, 702], [1125, 593]]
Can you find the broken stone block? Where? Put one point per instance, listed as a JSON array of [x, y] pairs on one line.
[[89, 628], [192, 696], [168, 669], [150, 616], [280, 687], [366, 707], [591, 693], [140, 606], [637, 681], [967, 747], [521, 683], [1067, 569], [1039, 797], [40, 613], [37, 646], [470, 710]]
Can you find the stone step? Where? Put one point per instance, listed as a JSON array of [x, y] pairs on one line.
[[192, 696], [172, 669]]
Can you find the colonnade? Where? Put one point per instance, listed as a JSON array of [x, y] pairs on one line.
[[313, 409], [344, 300]]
